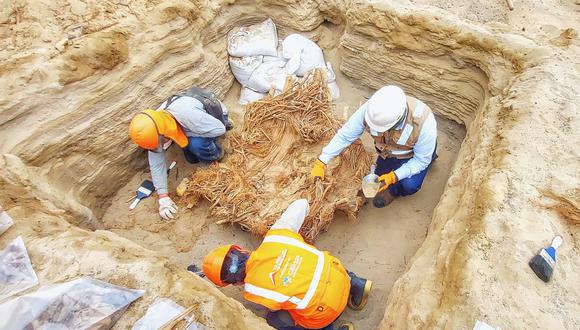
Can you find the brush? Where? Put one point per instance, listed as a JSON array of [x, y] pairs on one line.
[[544, 262], [144, 191]]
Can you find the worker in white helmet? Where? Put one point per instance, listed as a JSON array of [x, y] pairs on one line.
[[405, 134]]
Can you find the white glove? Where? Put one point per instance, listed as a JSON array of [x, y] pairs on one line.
[[167, 208]]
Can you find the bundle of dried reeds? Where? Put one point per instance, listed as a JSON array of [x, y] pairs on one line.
[[269, 160]]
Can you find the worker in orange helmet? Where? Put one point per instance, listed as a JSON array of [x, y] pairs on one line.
[[303, 287], [193, 119]]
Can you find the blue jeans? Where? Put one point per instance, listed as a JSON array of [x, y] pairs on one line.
[[407, 186], [201, 148]]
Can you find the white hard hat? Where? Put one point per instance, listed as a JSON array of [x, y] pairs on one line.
[[385, 108]]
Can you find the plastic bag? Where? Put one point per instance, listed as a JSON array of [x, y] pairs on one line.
[[16, 273], [79, 304], [5, 221], [248, 95], [257, 39], [160, 312], [243, 67], [302, 54], [268, 75], [279, 55]]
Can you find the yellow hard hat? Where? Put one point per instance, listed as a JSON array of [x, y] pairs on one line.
[[213, 262]]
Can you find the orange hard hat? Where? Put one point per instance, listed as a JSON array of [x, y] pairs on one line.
[[148, 125], [213, 262], [143, 131]]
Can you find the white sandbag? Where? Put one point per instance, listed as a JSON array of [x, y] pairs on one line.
[[268, 75], [243, 67], [257, 39], [302, 54], [79, 304], [279, 56], [331, 79], [16, 272], [248, 95], [160, 312], [5, 221]]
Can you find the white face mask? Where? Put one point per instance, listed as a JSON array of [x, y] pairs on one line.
[[374, 133]]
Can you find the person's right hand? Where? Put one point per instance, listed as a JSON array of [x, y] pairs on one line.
[[167, 208], [317, 170]]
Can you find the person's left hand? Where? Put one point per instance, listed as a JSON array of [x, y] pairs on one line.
[[387, 180]]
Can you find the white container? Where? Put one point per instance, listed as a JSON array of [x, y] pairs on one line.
[[370, 183]]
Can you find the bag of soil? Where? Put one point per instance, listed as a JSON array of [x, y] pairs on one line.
[[160, 312], [257, 39], [79, 304], [5, 221], [16, 273]]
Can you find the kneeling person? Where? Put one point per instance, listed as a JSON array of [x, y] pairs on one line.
[[193, 120], [405, 134], [289, 276]]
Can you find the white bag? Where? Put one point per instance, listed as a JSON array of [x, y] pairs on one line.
[[279, 55], [160, 312], [302, 54], [79, 304], [258, 39], [16, 272], [332, 85], [243, 67], [268, 75], [248, 95], [5, 221]]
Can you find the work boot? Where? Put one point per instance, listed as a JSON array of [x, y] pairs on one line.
[[359, 291], [190, 157], [346, 326], [383, 199]]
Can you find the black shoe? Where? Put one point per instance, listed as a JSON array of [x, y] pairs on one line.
[[383, 199], [346, 326], [359, 291], [190, 157]]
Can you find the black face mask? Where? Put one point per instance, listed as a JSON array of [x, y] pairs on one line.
[[234, 267]]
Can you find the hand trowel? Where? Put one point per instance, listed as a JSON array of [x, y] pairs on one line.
[[370, 183], [144, 191]]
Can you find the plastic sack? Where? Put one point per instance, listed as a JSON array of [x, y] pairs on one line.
[[279, 55], [160, 312], [332, 85], [268, 75], [257, 39], [16, 273], [5, 221], [79, 304], [248, 95], [243, 67], [302, 54]]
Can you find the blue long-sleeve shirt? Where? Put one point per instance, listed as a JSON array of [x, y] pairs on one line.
[[355, 127]]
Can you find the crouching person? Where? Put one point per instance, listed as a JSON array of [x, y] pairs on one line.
[[303, 287], [193, 119]]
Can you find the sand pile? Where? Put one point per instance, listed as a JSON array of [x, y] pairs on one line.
[[270, 161]]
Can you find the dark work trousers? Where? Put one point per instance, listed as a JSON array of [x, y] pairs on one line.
[[201, 148], [407, 186]]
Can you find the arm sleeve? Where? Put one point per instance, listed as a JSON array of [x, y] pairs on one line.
[[423, 150], [208, 126], [195, 121], [345, 136], [158, 171], [293, 217]]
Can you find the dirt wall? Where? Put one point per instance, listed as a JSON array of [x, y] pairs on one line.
[[63, 122]]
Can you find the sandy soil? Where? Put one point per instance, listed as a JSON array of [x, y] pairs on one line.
[[396, 231]]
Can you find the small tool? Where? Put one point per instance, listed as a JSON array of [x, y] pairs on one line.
[[171, 166], [370, 183], [544, 262], [144, 191]]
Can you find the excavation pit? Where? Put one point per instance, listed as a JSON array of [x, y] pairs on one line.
[[443, 258]]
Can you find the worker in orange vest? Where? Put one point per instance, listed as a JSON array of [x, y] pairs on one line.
[[193, 119], [303, 287]]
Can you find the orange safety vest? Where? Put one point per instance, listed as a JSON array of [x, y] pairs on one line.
[[287, 273], [399, 143]]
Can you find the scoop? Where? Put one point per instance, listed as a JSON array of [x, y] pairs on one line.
[[370, 183]]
